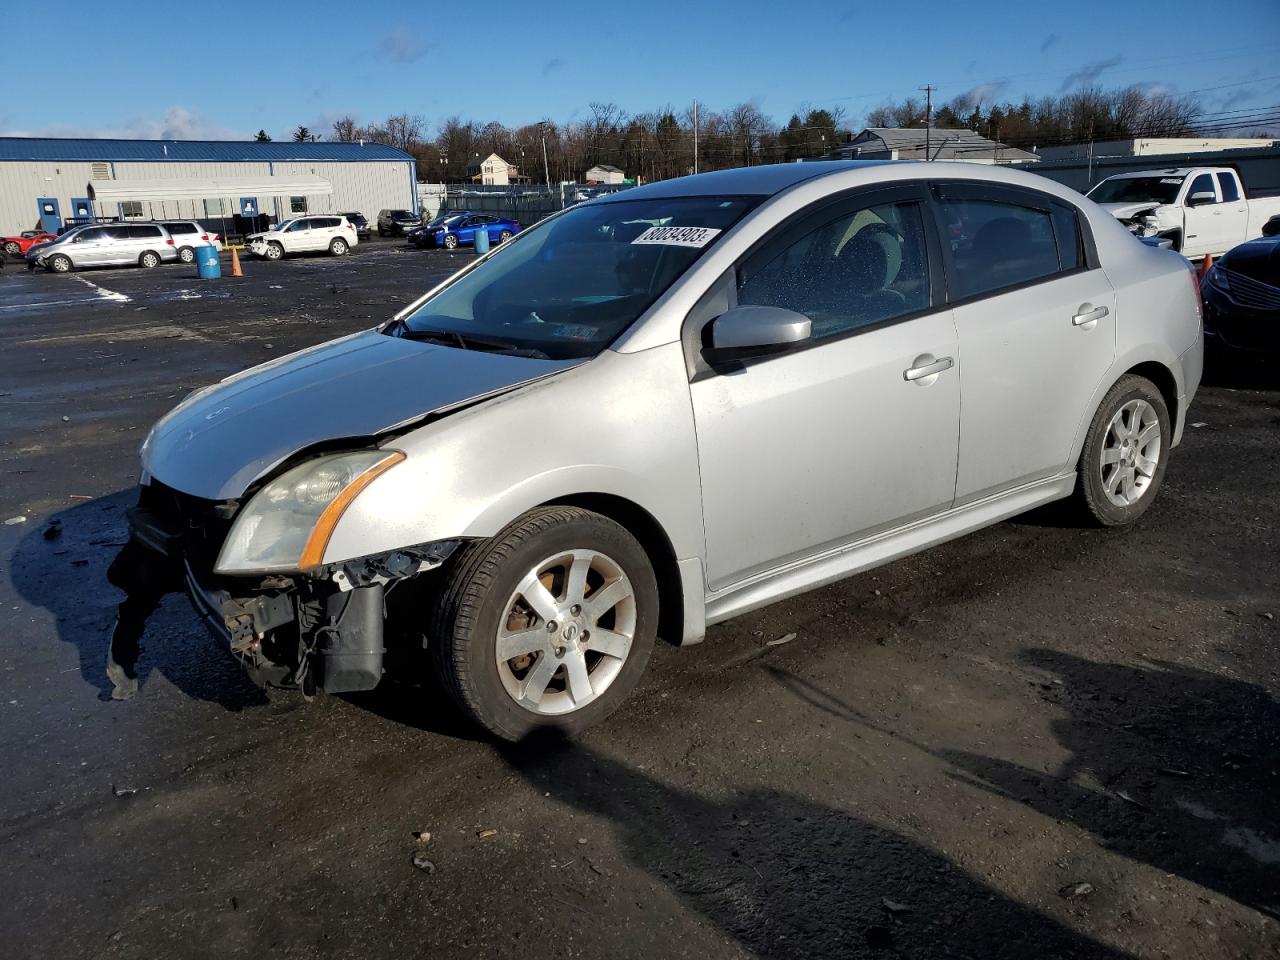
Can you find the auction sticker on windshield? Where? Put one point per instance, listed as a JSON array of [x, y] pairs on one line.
[[678, 236]]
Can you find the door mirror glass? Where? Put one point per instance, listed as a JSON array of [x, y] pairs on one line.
[[752, 331], [1201, 198]]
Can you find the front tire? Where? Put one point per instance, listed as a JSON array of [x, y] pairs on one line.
[[1125, 454], [60, 264], [504, 236], [338, 247], [450, 242], [548, 624], [274, 251]]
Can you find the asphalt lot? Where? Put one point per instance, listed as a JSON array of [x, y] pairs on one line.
[[1038, 741]]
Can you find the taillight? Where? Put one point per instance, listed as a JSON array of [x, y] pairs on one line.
[[204, 236], [170, 242]]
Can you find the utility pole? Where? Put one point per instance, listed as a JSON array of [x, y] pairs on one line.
[[546, 167], [928, 117], [695, 136]]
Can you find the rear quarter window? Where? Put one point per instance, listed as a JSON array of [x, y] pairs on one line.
[[144, 232]]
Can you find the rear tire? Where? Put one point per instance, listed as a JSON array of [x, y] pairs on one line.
[[560, 676], [1125, 454], [60, 264], [12, 249], [149, 260], [187, 254], [338, 247]]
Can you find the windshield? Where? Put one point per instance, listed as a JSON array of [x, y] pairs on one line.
[[567, 289], [282, 225], [1137, 190]]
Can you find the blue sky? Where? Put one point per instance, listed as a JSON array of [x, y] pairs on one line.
[[312, 62]]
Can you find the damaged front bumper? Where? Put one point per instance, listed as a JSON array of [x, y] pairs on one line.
[[323, 630]]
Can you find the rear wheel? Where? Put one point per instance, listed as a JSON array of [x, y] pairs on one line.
[[548, 624], [60, 264], [274, 251], [12, 249], [149, 259], [1123, 462], [338, 247], [187, 255]]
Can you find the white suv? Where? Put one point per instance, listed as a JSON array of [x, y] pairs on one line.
[[304, 235]]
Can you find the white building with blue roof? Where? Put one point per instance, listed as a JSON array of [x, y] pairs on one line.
[[47, 182]]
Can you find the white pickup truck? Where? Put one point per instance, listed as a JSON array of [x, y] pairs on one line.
[[1202, 210]]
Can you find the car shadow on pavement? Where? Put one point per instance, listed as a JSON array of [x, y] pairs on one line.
[[1169, 765], [785, 876], [61, 566]]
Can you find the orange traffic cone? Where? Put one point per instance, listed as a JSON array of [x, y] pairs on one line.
[[1206, 264], [235, 263]]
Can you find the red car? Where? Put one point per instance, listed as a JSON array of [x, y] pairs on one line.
[[19, 245]]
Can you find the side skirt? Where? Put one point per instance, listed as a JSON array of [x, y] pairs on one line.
[[822, 569]]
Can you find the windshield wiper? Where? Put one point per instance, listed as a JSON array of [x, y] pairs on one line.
[[470, 342]]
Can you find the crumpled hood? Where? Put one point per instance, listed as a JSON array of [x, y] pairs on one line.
[[1259, 259], [219, 440], [1127, 211]]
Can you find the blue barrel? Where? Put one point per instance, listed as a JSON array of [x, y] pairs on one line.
[[208, 262], [482, 239]]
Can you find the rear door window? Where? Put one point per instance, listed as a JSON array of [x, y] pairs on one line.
[[179, 228], [1227, 185], [997, 244], [144, 232]]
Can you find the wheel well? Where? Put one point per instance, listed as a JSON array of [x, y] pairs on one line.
[[642, 525], [1161, 376]]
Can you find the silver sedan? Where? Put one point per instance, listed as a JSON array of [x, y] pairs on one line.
[[662, 409]]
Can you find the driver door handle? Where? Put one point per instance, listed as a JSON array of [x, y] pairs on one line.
[[1088, 316], [927, 369]]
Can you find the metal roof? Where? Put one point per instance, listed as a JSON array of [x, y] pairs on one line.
[[950, 140], [764, 180], [231, 151]]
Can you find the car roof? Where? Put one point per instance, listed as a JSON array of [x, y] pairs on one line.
[[1163, 172], [764, 181]]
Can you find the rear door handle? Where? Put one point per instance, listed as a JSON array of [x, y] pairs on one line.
[[1089, 316], [928, 369]]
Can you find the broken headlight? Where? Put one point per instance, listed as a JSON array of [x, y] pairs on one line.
[[287, 524]]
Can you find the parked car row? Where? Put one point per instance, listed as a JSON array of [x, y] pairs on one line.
[[458, 228], [145, 244]]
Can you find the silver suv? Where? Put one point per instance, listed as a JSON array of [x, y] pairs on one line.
[[109, 245]]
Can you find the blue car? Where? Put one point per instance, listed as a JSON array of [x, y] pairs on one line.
[[460, 230]]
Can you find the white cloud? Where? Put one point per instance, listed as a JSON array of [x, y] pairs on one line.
[[178, 123]]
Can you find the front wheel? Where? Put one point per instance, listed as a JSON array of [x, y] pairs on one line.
[[504, 236], [274, 251], [548, 624], [1123, 462], [60, 264], [338, 247], [450, 242]]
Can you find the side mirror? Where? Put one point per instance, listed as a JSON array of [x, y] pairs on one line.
[[1201, 198], [748, 332]]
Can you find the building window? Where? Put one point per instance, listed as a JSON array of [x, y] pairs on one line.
[[130, 209], [297, 204], [214, 207]]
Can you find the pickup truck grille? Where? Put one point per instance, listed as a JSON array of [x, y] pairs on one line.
[[1249, 292]]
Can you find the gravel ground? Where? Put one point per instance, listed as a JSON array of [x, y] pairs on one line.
[[1037, 741]]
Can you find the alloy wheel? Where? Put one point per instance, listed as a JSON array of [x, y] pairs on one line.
[[1130, 452], [566, 633]]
